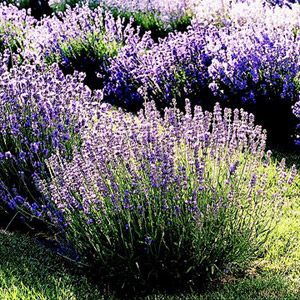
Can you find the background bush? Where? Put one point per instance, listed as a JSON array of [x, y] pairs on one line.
[[251, 67], [14, 26], [84, 40]]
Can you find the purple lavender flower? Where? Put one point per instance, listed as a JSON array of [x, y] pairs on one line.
[[253, 180], [148, 240], [233, 168], [157, 183], [38, 116]]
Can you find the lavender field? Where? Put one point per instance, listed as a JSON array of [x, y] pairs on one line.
[[151, 147]]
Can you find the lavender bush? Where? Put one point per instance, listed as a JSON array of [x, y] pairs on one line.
[[160, 17], [41, 112], [14, 26], [242, 63], [153, 201], [82, 39]]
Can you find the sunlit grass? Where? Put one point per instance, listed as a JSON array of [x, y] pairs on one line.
[[29, 271]]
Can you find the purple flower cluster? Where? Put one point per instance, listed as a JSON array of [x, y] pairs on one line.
[[76, 24], [81, 39], [141, 184], [242, 63], [154, 152], [14, 26], [41, 112], [174, 68], [165, 151]]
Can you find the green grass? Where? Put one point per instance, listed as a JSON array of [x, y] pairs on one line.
[[261, 288], [283, 246], [29, 271]]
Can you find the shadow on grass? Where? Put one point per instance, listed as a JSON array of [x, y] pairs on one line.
[[29, 271]]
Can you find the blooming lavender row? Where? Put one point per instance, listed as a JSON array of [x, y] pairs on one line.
[[41, 111], [247, 60], [81, 39], [77, 23], [164, 12], [244, 63], [147, 190]]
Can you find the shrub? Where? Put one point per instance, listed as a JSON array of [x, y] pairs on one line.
[[160, 17], [153, 21], [41, 112], [82, 39], [174, 68], [14, 26], [249, 65], [153, 201]]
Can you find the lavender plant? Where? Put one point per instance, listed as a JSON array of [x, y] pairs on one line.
[[174, 68], [152, 200], [160, 17], [252, 65], [82, 39], [14, 25], [41, 111], [153, 20]]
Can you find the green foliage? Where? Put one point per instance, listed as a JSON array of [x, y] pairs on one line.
[[152, 21], [94, 47], [139, 249], [265, 287]]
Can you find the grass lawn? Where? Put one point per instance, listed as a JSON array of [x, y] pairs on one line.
[[30, 271]]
